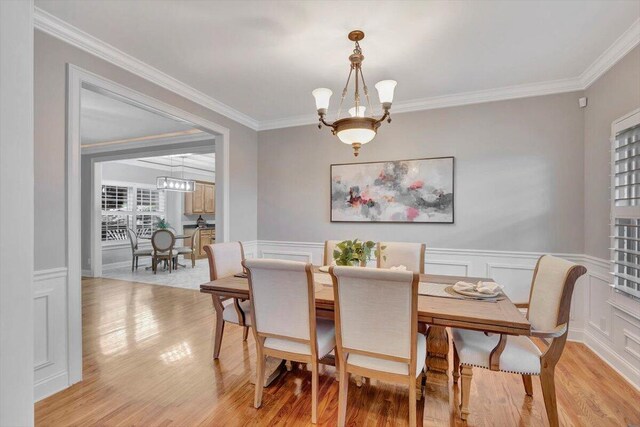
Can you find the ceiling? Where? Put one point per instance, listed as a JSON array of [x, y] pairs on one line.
[[104, 119], [263, 58], [203, 164]]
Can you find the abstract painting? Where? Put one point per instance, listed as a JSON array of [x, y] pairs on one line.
[[418, 191]]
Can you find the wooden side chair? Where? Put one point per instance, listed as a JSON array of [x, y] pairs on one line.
[[135, 252], [411, 255], [548, 311], [162, 242], [225, 259], [283, 312], [191, 249], [376, 314]]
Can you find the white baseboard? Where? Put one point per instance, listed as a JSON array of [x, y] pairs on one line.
[[50, 385], [611, 358]]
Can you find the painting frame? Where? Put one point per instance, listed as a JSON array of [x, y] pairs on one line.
[[453, 190]]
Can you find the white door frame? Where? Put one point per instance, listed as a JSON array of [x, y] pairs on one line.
[[76, 79]]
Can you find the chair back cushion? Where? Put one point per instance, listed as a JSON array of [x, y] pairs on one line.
[[133, 239], [411, 255], [225, 259], [547, 289], [162, 240], [280, 297], [329, 247], [375, 309]]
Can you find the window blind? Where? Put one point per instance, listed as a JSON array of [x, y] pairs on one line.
[[625, 211], [134, 206]]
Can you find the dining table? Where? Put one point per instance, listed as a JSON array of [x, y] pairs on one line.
[[436, 312]]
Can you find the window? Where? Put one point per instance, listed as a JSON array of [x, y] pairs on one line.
[[135, 206], [625, 205]]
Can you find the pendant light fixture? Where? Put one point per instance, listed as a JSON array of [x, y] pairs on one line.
[[356, 129], [169, 183]]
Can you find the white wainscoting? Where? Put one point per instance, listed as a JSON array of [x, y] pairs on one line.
[[604, 320], [50, 324]]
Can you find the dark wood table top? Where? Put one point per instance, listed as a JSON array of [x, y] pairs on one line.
[[500, 316]]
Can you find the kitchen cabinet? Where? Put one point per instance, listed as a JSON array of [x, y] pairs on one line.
[[202, 200]]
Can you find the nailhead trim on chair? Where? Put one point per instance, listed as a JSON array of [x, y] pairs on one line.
[[511, 372]]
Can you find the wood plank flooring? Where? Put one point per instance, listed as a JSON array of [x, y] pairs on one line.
[[147, 362]]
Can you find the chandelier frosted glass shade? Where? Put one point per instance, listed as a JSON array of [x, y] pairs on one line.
[[322, 96], [175, 184], [385, 91], [356, 129]]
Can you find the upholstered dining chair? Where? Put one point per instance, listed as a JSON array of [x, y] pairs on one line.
[[135, 252], [283, 313], [393, 254], [548, 311], [191, 249], [388, 346], [162, 242], [225, 259]]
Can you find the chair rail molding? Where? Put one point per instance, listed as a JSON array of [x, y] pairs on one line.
[[605, 321]]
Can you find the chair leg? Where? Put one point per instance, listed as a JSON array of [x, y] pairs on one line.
[[260, 362], [154, 265], [245, 333], [467, 375], [133, 263], [456, 365], [137, 259], [528, 385], [412, 403], [343, 388], [193, 261], [219, 332], [314, 392], [549, 394]]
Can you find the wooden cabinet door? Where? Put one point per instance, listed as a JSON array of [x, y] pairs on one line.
[[198, 199], [188, 203], [205, 239], [209, 198]]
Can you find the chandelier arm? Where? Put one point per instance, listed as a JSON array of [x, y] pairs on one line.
[[344, 92], [385, 116], [324, 122], [366, 92]]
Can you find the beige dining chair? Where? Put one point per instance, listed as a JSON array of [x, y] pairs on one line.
[[162, 242], [225, 260], [135, 252], [376, 315], [548, 311], [191, 250], [283, 312], [394, 254]]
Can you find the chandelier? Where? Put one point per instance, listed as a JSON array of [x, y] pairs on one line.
[[357, 128], [169, 183]]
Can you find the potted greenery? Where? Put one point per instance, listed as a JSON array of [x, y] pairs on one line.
[[162, 224], [354, 252]]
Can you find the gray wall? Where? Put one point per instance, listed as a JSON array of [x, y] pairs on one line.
[[16, 214], [51, 57], [613, 95], [518, 178]]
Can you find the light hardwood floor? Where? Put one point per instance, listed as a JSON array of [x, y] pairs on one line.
[[147, 362]]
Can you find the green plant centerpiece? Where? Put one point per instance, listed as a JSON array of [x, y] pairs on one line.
[[354, 252], [163, 224]]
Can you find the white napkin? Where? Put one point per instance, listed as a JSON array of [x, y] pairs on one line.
[[480, 287], [398, 268]]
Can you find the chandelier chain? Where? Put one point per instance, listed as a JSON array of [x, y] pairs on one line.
[[366, 92], [344, 92]]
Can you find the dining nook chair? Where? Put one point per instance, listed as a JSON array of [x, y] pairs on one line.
[[225, 260], [376, 316], [190, 250], [395, 254], [329, 247], [548, 312], [162, 242], [135, 251], [284, 320]]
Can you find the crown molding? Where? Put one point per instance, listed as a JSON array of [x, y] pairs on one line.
[[445, 101], [622, 46], [60, 29], [48, 23]]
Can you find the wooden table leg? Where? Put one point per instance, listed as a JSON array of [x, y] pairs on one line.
[[437, 356]]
